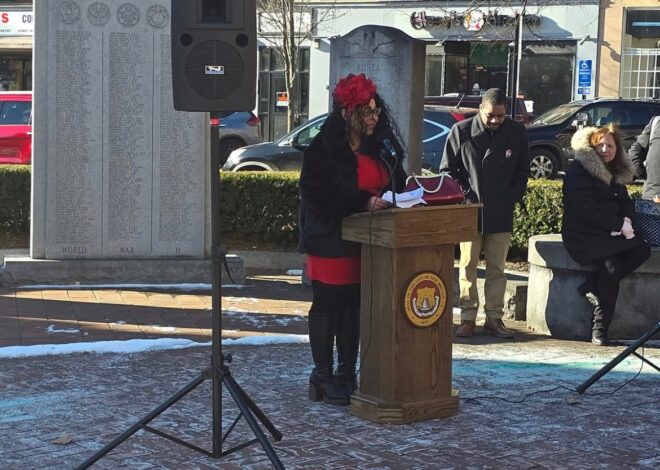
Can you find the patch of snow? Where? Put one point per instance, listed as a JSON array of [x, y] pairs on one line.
[[178, 287], [52, 329], [294, 272], [140, 345]]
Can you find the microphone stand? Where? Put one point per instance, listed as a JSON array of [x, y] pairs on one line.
[[383, 156], [393, 180]]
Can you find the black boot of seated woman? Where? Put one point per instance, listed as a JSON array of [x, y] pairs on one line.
[[600, 326]]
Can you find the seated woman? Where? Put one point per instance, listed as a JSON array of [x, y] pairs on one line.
[[599, 218]]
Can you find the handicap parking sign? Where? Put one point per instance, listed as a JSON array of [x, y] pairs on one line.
[[584, 74]]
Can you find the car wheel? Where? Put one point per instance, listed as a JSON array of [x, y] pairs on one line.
[[543, 164], [227, 146]]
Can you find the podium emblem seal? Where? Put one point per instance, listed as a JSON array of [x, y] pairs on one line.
[[425, 299]]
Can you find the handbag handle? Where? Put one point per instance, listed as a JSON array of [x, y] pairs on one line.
[[432, 191]]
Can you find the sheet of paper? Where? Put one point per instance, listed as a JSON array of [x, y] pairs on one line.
[[407, 199]]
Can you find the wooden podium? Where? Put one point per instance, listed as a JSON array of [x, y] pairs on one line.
[[405, 349]]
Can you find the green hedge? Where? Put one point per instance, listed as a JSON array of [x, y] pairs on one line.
[[15, 198], [260, 208]]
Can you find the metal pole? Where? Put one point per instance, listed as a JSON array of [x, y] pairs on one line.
[[216, 293], [521, 21]]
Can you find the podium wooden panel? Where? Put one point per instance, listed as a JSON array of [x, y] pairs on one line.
[[406, 369]]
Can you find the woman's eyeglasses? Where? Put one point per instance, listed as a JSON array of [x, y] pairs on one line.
[[368, 112]]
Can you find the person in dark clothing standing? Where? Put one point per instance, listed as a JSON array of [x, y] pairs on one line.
[[645, 155], [488, 155], [344, 171], [598, 220]]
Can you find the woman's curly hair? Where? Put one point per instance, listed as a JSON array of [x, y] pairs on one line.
[[339, 128]]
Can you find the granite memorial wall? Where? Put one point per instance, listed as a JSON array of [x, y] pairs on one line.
[[117, 172]]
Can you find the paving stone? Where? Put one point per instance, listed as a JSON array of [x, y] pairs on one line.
[[95, 397]]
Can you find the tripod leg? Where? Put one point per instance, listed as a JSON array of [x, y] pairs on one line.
[[257, 411], [136, 427], [614, 362], [239, 397]]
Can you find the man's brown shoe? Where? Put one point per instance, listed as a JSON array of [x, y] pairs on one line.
[[466, 330], [495, 327]]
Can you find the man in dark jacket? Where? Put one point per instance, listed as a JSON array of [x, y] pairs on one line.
[[645, 154], [488, 155]]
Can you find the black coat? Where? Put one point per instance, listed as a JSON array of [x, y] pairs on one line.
[[492, 168], [595, 204], [329, 192]]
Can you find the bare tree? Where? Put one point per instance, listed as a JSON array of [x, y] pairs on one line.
[[286, 25]]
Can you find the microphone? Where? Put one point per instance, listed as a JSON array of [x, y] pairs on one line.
[[389, 148]]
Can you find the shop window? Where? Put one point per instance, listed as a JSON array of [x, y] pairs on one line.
[[456, 74], [15, 73], [434, 75], [547, 79]]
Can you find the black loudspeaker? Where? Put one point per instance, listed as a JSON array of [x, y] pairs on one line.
[[214, 55]]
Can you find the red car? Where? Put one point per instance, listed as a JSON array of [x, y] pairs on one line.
[[15, 127]]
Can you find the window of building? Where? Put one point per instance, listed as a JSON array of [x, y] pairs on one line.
[[273, 99], [15, 73], [640, 55], [546, 74]]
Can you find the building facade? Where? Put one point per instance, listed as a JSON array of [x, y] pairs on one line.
[[16, 29], [469, 46], [629, 49]]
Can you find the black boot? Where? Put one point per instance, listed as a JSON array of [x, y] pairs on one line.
[[348, 344], [600, 325], [322, 383]]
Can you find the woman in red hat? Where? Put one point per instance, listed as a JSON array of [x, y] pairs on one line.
[[344, 171]]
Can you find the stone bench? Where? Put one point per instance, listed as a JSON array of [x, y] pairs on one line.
[[555, 307]]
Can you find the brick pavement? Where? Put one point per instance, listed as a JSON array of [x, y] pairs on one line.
[[93, 397]]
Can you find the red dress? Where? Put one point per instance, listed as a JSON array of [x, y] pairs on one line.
[[372, 176]]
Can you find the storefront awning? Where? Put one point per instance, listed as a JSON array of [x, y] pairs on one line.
[[549, 48]]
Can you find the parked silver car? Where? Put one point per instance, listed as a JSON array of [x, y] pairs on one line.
[[237, 129]]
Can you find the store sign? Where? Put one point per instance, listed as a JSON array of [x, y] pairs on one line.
[[282, 99], [473, 20], [16, 23]]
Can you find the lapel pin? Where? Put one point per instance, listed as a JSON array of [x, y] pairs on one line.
[[508, 153]]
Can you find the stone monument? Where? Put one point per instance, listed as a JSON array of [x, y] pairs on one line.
[[120, 180], [396, 63]]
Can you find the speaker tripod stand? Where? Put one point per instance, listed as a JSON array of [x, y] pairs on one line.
[[218, 373], [632, 349]]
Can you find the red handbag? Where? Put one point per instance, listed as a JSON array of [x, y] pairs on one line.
[[438, 189]]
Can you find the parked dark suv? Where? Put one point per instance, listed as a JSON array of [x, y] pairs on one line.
[[285, 153], [550, 134]]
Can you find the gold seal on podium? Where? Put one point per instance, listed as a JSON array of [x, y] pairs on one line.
[[425, 299]]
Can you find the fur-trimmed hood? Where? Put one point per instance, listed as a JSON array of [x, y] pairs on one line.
[[622, 170]]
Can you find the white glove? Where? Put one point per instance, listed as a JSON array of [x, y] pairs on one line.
[[627, 229]]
